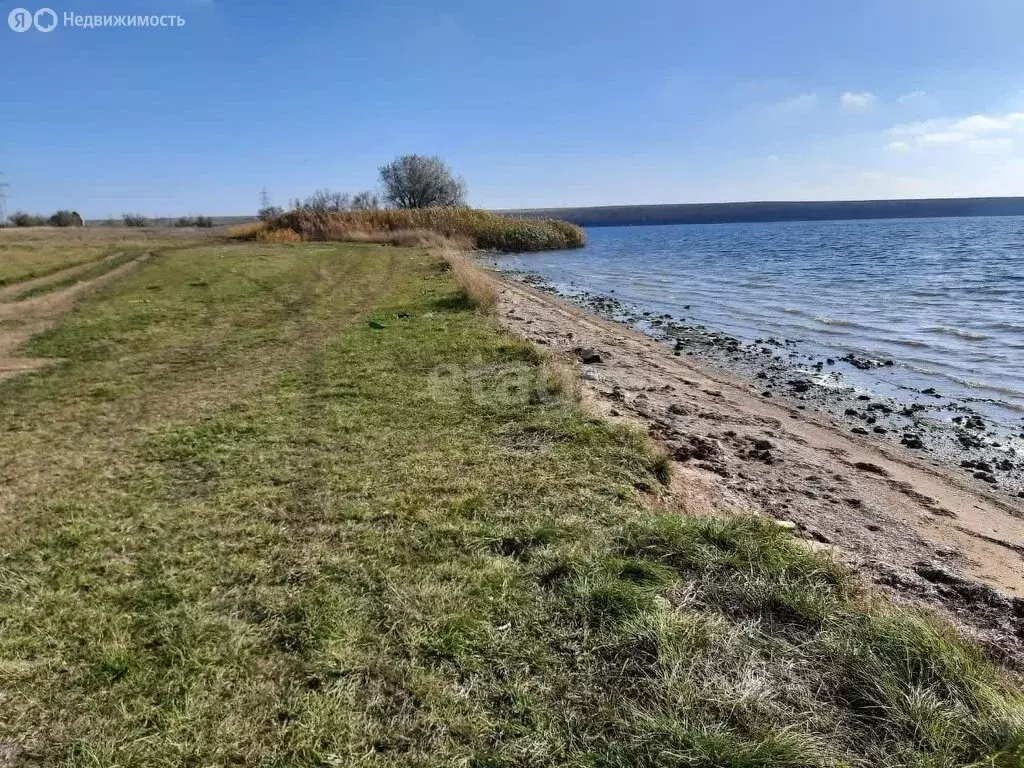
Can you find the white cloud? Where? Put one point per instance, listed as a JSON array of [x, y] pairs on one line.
[[976, 131], [943, 137], [913, 96], [990, 145], [861, 100], [897, 146]]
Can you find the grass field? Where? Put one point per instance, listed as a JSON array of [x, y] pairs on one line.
[[31, 253], [304, 506]]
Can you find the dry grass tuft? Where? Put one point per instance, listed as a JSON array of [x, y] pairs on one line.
[[278, 236], [562, 380], [246, 231], [479, 289]]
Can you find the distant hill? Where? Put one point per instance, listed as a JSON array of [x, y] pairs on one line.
[[724, 213]]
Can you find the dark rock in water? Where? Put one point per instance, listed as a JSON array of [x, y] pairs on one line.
[[830, 361], [929, 391], [861, 363], [864, 398], [859, 431], [852, 412], [985, 477], [589, 356], [800, 385], [880, 431], [912, 441]]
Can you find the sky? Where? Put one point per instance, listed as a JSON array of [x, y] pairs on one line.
[[535, 103]]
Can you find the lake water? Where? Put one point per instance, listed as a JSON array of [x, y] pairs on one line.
[[943, 298]]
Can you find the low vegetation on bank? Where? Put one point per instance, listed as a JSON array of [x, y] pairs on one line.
[[465, 226], [62, 218], [307, 505]]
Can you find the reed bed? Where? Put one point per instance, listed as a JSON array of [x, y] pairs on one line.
[[469, 227]]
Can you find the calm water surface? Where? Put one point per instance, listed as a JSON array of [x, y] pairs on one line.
[[944, 298]]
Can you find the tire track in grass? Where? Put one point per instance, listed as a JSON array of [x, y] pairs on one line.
[[18, 288]]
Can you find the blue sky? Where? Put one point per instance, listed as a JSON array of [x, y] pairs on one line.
[[534, 102]]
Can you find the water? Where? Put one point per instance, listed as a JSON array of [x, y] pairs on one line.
[[943, 298]]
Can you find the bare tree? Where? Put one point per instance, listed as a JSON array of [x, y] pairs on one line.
[[326, 200], [415, 181], [366, 201]]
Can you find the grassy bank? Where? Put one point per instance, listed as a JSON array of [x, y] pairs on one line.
[[472, 228], [307, 506]]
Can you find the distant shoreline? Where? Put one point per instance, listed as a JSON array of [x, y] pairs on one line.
[[725, 213], [756, 212]]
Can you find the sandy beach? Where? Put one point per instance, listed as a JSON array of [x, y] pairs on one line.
[[920, 529]]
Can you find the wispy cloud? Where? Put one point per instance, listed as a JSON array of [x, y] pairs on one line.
[[802, 102], [897, 146], [908, 98], [862, 100]]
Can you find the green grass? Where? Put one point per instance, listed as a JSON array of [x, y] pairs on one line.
[[302, 506], [94, 271], [26, 254]]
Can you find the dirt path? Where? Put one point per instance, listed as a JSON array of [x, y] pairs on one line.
[[21, 320], [919, 533]]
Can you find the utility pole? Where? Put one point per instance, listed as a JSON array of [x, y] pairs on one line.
[[264, 199], [3, 197]]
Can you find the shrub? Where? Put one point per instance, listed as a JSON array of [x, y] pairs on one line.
[[268, 212], [135, 220], [65, 218], [472, 228], [22, 219], [197, 221]]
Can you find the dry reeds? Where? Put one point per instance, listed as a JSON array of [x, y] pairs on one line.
[[429, 226], [478, 287]]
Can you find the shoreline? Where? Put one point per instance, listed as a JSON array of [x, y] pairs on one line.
[[945, 429], [919, 527]]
